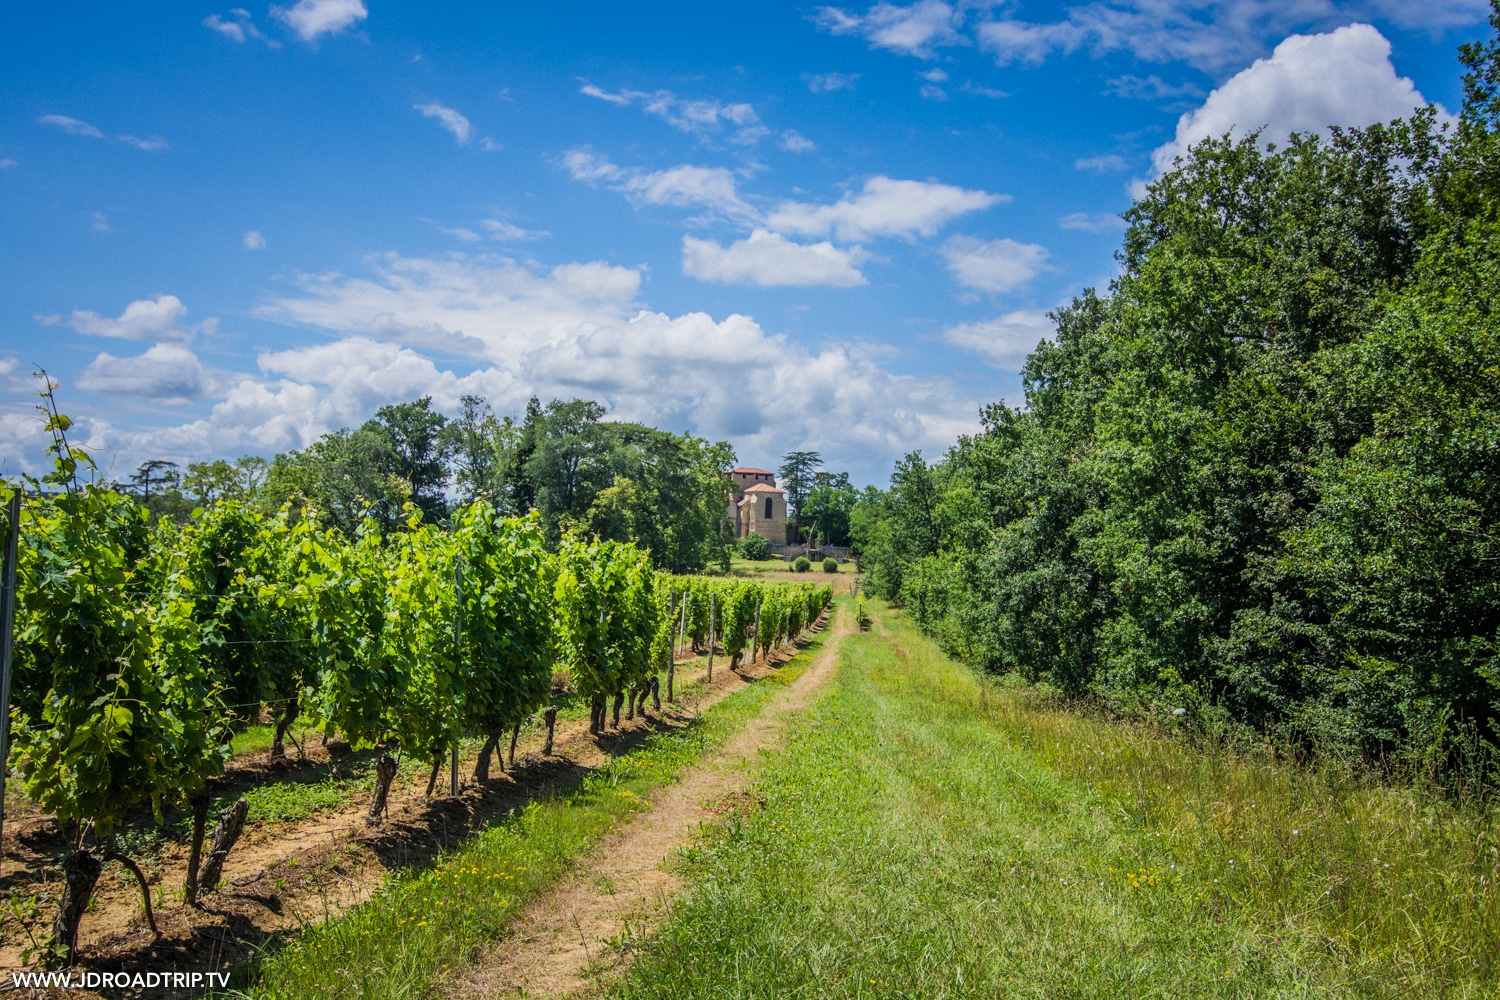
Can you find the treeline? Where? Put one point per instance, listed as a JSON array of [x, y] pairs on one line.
[[617, 481], [142, 644], [1259, 480]]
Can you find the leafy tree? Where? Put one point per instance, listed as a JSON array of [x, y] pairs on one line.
[[797, 478], [484, 451], [415, 432], [828, 507], [208, 483]]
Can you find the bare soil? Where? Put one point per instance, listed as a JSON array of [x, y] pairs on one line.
[[284, 875], [577, 938]]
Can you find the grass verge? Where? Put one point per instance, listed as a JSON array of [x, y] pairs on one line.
[[421, 924], [928, 832]]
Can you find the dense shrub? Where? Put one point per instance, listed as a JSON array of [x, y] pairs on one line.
[[755, 546], [801, 564], [830, 564]]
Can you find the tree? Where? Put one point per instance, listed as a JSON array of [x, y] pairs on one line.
[[797, 471], [416, 438], [571, 461], [209, 483], [484, 451], [828, 506]]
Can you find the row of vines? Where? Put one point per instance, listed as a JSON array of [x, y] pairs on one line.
[[140, 647]]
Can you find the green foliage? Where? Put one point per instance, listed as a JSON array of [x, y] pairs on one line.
[[1254, 479], [755, 546], [830, 564], [801, 564]]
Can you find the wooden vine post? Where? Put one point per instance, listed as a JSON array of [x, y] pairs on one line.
[[755, 642], [713, 610], [458, 656], [7, 627]]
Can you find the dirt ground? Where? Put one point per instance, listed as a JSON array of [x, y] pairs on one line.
[[575, 939], [285, 875]]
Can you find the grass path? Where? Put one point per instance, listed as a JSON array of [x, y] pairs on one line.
[[930, 833], [580, 933]]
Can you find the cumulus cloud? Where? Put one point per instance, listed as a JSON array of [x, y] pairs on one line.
[[995, 266], [885, 207], [1091, 222], [1006, 340], [253, 240], [157, 319], [1344, 77], [769, 260], [704, 118], [795, 142], [237, 27], [166, 373], [914, 30], [447, 117], [684, 186], [572, 330], [827, 83], [311, 18]]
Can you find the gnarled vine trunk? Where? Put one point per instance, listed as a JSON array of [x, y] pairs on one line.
[[482, 766], [228, 830], [80, 874], [515, 734], [656, 692], [385, 773], [195, 849], [550, 716], [283, 723], [619, 700]]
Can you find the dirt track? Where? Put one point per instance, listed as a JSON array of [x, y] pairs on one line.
[[561, 945]]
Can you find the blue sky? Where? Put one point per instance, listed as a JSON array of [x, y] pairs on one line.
[[229, 230]]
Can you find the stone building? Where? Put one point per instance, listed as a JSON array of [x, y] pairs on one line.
[[758, 505]]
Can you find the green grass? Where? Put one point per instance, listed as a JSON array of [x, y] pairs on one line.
[[258, 737], [421, 924], [931, 833]]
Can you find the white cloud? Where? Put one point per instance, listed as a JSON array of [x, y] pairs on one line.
[[770, 260], [1150, 88], [101, 222], [704, 118], [684, 186], [995, 266], [72, 126], [795, 142], [311, 18], [448, 118], [501, 230], [573, 330], [825, 83], [152, 144], [1211, 35], [1103, 164], [462, 233], [885, 207], [7, 164], [157, 319], [1006, 340], [237, 27], [934, 75], [253, 240], [932, 92], [970, 87], [914, 30], [1091, 222], [166, 373], [1344, 77]]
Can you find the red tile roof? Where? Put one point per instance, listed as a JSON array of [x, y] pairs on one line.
[[758, 472], [763, 488]]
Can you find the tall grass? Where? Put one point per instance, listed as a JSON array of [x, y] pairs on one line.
[[934, 833]]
